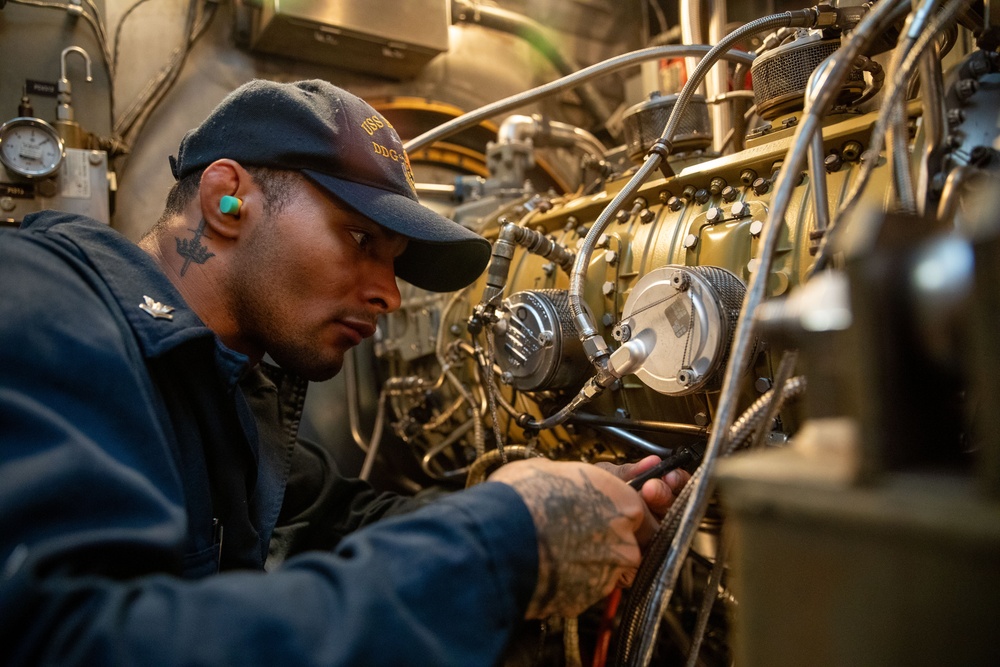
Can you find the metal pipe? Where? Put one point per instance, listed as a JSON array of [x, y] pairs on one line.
[[717, 82], [932, 97], [440, 190], [957, 178], [691, 33], [586, 328], [832, 73], [634, 440], [898, 76], [457, 432], [353, 416], [608, 66], [537, 36], [641, 614], [366, 468], [817, 173], [544, 132]]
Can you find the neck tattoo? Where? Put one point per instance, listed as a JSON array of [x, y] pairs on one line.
[[192, 250]]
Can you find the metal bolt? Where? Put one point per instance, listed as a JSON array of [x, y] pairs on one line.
[[851, 150], [966, 88], [978, 67], [686, 377], [714, 214], [833, 162], [665, 195], [740, 209], [748, 176], [582, 230], [607, 319], [753, 265], [701, 419], [955, 117], [546, 338], [646, 216], [507, 377], [937, 183], [455, 330], [756, 227], [622, 216], [571, 223], [7, 203], [611, 257], [761, 186], [95, 158], [621, 333], [762, 385], [688, 193], [675, 204], [603, 240], [717, 185], [729, 193], [701, 196], [548, 268], [622, 413], [690, 241], [608, 288], [680, 281], [981, 156]]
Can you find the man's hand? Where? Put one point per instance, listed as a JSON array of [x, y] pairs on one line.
[[658, 493], [586, 521]]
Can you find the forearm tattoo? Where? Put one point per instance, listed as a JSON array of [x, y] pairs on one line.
[[577, 554], [192, 250]]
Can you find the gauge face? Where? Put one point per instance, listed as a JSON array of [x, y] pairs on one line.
[[30, 147]]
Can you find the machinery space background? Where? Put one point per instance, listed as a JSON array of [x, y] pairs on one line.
[[861, 369]]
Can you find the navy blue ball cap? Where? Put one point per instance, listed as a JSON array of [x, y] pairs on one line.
[[348, 149]]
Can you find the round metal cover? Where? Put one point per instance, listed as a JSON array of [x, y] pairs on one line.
[[681, 321], [537, 344]]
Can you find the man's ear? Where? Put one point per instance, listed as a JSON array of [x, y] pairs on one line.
[[221, 183]]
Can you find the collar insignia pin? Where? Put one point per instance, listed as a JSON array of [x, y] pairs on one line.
[[157, 310]]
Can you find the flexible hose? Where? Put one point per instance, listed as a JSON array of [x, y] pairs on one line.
[[641, 612], [829, 78], [608, 66], [481, 467], [898, 77], [781, 377], [596, 346], [585, 327]]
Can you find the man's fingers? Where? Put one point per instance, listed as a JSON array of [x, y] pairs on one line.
[[628, 471], [658, 496], [676, 479]]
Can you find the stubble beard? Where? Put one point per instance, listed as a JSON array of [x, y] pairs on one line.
[[253, 301]]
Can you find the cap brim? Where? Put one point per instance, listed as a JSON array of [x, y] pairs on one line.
[[442, 255]]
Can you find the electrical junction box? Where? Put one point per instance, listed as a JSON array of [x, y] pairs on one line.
[[389, 38]]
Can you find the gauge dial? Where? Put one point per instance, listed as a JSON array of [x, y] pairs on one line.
[[30, 147]]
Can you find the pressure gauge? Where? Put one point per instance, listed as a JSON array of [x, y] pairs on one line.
[[30, 147]]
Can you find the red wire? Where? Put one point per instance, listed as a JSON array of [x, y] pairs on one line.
[[605, 628]]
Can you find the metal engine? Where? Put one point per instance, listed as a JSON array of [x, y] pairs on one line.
[[636, 314]]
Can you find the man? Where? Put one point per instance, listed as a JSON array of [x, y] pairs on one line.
[[145, 453]]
